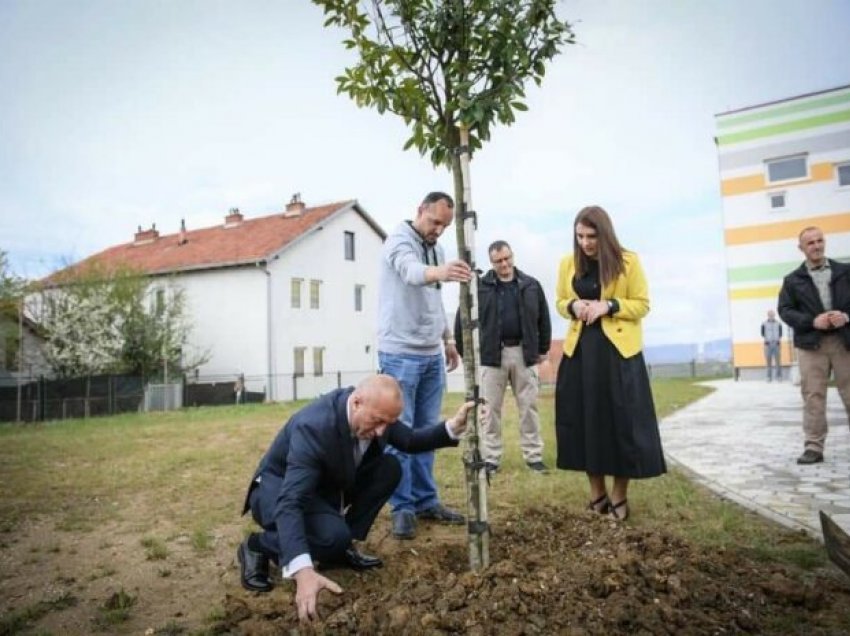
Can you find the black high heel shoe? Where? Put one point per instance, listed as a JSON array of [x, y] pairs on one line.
[[620, 516], [602, 504]]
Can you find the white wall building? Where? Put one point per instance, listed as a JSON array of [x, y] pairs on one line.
[[784, 166], [289, 300]]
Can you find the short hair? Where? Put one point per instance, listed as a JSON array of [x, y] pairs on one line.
[[807, 229], [495, 246], [434, 197]]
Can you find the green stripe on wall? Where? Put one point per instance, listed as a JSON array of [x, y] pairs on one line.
[[784, 127], [771, 272], [758, 273], [786, 109]]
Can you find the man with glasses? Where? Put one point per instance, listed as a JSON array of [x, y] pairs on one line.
[[515, 333], [413, 337]]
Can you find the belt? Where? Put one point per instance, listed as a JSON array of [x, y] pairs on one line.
[[511, 343]]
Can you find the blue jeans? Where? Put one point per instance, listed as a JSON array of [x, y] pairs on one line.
[[422, 381], [771, 355]]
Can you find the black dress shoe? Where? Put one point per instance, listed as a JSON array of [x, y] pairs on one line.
[[359, 561], [254, 569], [810, 456], [442, 514]]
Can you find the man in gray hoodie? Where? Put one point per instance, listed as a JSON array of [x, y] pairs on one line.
[[413, 334]]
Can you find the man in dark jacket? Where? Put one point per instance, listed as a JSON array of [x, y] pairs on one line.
[[323, 481], [814, 301], [514, 333]]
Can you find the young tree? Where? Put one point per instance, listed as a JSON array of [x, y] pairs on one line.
[[451, 69]]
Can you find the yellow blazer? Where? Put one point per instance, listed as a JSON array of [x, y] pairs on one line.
[[629, 289]]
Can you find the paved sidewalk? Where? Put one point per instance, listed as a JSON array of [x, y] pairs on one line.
[[743, 440]]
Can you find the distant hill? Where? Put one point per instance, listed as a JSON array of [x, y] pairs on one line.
[[720, 350]]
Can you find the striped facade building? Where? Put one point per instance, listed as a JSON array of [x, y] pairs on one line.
[[784, 166]]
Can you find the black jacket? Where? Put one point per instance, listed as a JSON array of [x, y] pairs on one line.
[[799, 303], [534, 318]]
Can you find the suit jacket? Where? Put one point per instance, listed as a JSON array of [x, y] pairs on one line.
[[313, 455], [629, 289]]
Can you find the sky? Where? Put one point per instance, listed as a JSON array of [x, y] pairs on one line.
[[119, 114]]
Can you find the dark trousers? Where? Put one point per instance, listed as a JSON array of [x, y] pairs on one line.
[[329, 531]]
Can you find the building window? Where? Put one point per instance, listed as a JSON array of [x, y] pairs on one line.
[[358, 297], [11, 353], [787, 168], [295, 293], [314, 293], [843, 171], [318, 361], [159, 301], [298, 361], [349, 246], [777, 200]]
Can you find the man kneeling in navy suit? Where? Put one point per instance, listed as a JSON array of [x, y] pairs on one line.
[[323, 481]]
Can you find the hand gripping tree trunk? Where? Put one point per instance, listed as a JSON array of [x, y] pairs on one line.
[[478, 528]]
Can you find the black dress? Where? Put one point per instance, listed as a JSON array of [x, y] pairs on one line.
[[605, 420]]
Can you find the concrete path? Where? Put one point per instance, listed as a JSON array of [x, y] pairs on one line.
[[743, 440]]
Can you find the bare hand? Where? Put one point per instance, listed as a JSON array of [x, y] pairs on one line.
[[452, 357], [822, 321], [580, 309], [458, 423], [595, 310], [455, 271], [308, 584], [837, 319]]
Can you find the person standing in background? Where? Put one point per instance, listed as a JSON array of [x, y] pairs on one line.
[[771, 333]]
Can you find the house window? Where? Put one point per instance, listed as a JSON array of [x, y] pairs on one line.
[[314, 293], [349, 246], [295, 293], [298, 361], [777, 200], [843, 171], [318, 361], [358, 298], [159, 302], [787, 168], [11, 353]]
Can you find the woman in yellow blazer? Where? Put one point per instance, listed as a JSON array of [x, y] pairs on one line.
[[605, 421]]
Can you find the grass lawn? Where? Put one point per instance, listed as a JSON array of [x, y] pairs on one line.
[[171, 486]]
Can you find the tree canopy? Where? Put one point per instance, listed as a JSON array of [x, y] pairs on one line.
[[438, 64]]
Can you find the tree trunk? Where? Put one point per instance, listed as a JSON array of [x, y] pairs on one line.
[[478, 529]]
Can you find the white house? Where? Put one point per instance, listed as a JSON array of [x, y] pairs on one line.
[[289, 300]]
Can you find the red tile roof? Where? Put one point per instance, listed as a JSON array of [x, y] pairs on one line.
[[249, 241]]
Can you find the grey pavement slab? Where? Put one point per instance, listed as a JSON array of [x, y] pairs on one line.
[[743, 440]]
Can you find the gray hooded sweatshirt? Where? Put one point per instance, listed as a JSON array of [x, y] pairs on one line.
[[411, 317]]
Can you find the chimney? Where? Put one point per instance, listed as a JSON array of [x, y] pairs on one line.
[[182, 239], [233, 218], [296, 206], [143, 237]]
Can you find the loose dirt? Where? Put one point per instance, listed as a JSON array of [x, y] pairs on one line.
[[552, 571]]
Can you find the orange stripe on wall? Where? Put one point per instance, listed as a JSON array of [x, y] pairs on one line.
[[751, 354], [756, 182], [832, 223]]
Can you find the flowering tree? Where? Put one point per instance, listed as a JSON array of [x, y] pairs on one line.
[[451, 69], [102, 322]]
